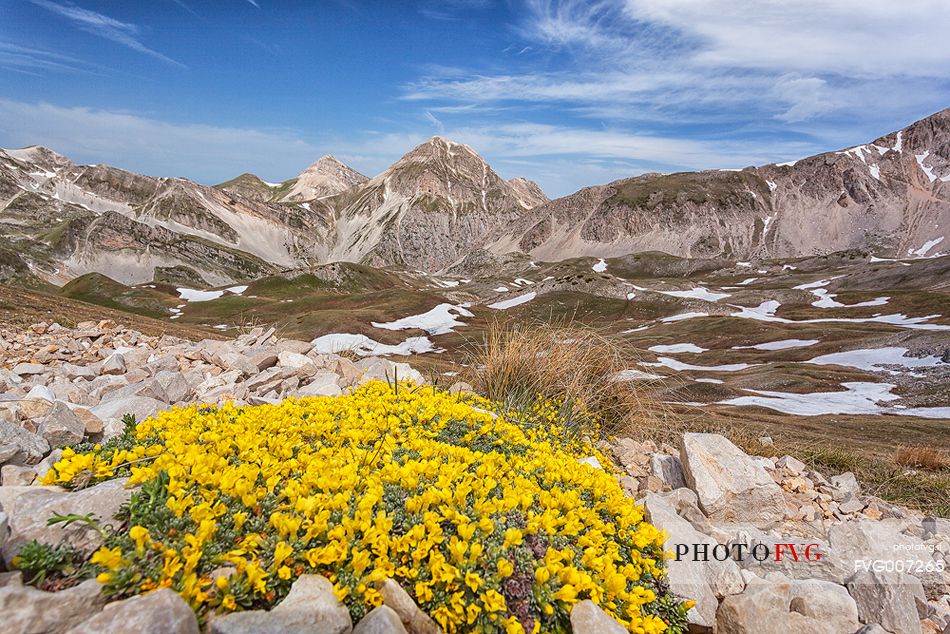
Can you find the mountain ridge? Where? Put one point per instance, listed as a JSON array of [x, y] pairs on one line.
[[441, 202]]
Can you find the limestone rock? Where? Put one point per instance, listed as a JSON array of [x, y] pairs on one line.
[[379, 369], [765, 608], [112, 411], [668, 469], [729, 484], [701, 581], [4, 529], [14, 475], [887, 598], [826, 602], [588, 618], [29, 369], [30, 507], [158, 612], [415, 620], [321, 384], [309, 608], [19, 446], [61, 427], [115, 364], [792, 465], [26, 610], [380, 620], [845, 487]]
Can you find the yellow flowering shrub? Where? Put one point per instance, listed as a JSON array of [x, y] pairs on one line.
[[491, 525]]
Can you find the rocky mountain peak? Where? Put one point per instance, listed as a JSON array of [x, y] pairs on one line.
[[40, 156], [528, 192], [324, 177]]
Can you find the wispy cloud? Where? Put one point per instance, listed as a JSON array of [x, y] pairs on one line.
[[135, 141], [451, 9], [254, 3], [103, 26], [562, 158], [653, 59], [27, 59]]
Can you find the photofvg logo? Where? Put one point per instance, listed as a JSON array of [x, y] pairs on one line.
[[913, 559], [741, 551]]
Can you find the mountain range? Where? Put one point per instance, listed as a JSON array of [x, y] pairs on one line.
[[442, 206]]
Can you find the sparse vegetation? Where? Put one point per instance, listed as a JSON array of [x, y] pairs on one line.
[[925, 457], [575, 365]]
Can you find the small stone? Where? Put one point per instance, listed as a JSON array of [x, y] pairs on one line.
[[791, 464], [844, 487], [381, 620], [853, 505], [33, 408], [415, 620], [4, 529], [93, 424], [310, 606], [15, 475], [19, 446], [28, 508], [41, 392], [588, 618], [295, 360], [114, 365], [160, 612], [766, 441], [651, 484], [111, 412], [668, 469], [61, 427], [630, 485], [591, 461], [29, 369]]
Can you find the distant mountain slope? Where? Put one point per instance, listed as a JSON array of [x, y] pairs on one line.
[[64, 220], [891, 195]]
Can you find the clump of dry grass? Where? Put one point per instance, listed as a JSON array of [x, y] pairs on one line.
[[520, 364], [925, 457]]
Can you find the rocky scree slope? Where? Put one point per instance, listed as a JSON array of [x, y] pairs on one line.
[[63, 386]]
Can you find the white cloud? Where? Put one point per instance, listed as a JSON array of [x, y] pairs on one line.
[[105, 27], [650, 59], [560, 157], [206, 153], [870, 37]]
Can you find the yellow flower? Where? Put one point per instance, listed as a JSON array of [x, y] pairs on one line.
[[513, 537], [493, 601], [566, 593], [110, 558], [282, 551], [140, 536], [378, 484]]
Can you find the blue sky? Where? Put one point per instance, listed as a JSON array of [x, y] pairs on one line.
[[567, 93]]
